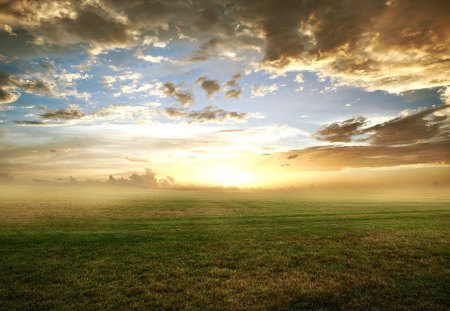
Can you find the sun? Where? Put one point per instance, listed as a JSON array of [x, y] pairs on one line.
[[230, 176]]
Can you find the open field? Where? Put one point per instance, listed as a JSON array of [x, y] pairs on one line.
[[64, 248]]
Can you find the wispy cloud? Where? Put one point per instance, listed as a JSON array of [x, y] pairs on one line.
[[263, 90]]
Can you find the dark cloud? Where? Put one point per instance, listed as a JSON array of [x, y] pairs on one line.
[[62, 114], [416, 127], [7, 97], [23, 46], [6, 79], [37, 87], [367, 43], [174, 112], [234, 91], [29, 122], [58, 24], [313, 27], [209, 86], [208, 114], [340, 131], [90, 25], [155, 14], [422, 137], [214, 114], [233, 81], [10, 87], [185, 98], [393, 45], [8, 93]]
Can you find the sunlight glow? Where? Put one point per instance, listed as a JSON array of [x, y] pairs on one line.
[[231, 176]]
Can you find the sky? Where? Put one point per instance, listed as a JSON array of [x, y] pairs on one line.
[[237, 93]]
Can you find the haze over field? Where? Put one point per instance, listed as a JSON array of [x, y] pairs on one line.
[[213, 93]]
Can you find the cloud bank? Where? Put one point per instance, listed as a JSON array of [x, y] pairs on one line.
[[394, 45], [418, 138]]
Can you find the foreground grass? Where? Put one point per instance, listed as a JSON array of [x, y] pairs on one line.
[[71, 249]]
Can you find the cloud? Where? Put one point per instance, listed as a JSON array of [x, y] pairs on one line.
[[227, 46], [135, 159], [48, 65], [393, 46], [78, 27], [7, 97], [39, 87], [69, 78], [185, 98], [146, 89], [109, 81], [154, 41], [233, 81], [56, 26], [71, 113], [150, 58], [379, 45], [233, 93], [341, 131], [214, 114], [10, 87], [6, 28], [174, 112], [121, 113], [209, 86], [424, 125], [299, 78], [147, 179], [341, 157], [54, 83], [61, 116], [33, 122], [263, 90], [210, 114], [133, 84], [420, 137], [445, 95]]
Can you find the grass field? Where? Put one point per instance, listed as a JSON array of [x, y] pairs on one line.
[[64, 248]]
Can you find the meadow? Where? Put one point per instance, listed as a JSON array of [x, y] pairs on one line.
[[69, 248]]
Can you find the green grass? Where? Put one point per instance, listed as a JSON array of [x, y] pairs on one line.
[[74, 249]]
